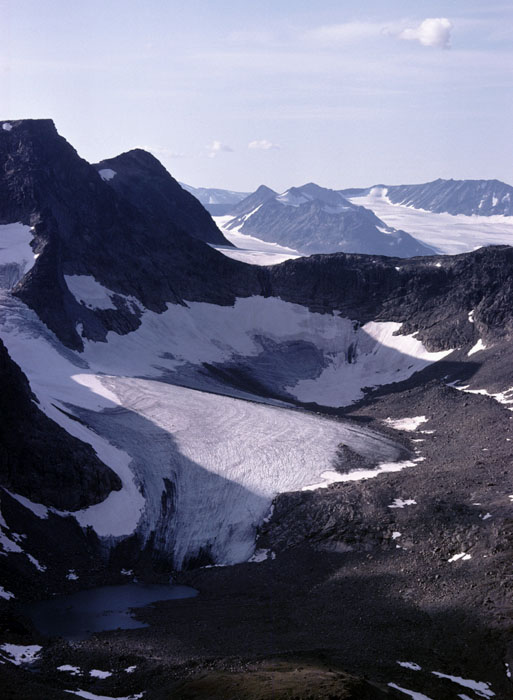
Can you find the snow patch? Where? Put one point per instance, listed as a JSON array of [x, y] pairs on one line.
[[407, 424], [96, 673], [400, 503], [67, 668], [91, 696], [72, 575], [7, 595], [6, 126], [89, 292], [395, 536], [261, 555], [412, 693], [476, 348], [479, 687], [461, 555], [411, 665], [331, 477], [19, 654], [106, 174]]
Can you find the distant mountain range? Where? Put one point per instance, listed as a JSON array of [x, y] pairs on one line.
[[469, 197], [217, 202], [313, 219]]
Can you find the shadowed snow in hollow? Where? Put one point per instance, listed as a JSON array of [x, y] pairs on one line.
[[448, 233], [208, 465], [16, 255]]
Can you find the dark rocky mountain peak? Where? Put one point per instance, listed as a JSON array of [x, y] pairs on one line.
[[252, 201], [141, 179]]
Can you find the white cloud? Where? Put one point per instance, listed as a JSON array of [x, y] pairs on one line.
[[434, 31], [217, 147], [263, 145]]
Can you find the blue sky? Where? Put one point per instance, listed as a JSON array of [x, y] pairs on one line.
[[237, 93]]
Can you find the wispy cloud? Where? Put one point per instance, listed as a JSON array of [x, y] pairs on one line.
[[433, 31], [263, 145], [217, 147], [347, 32]]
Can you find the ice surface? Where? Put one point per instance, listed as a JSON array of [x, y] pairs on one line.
[[19, 654], [408, 424], [479, 687], [449, 234], [106, 174], [209, 465], [412, 693]]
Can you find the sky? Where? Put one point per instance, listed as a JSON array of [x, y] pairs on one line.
[[238, 93]]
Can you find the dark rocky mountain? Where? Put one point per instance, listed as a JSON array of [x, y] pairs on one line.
[[313, 219], [140, 178], [82, 226], [469, 197], [217, 202], [252, 201]]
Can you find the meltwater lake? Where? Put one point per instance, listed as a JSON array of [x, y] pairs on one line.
[[79, 615]]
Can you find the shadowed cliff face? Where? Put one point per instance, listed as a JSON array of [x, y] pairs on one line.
[[144, 182], [38, 458]]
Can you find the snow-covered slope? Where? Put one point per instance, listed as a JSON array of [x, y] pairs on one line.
[[218, 202], [446, 232], [180, 451]]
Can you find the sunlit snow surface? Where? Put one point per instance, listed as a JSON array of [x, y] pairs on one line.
[[250, 249], [209, 465], [447, 233]]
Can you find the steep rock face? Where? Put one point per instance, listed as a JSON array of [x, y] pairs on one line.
[[83, 227], [38, 458], [431, 296], [142, 180], [313, 219]]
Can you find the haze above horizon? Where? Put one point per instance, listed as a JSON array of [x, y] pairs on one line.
[[235, 94]]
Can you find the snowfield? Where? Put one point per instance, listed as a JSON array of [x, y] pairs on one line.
[[208, 464], [250, 249], [447, 233]]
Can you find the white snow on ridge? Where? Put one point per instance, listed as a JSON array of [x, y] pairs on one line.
[[448, 233], [20, 654]]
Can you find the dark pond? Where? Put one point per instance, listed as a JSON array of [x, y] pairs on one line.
[[79, 615]]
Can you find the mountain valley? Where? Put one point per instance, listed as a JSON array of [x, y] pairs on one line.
[[319, 446]]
